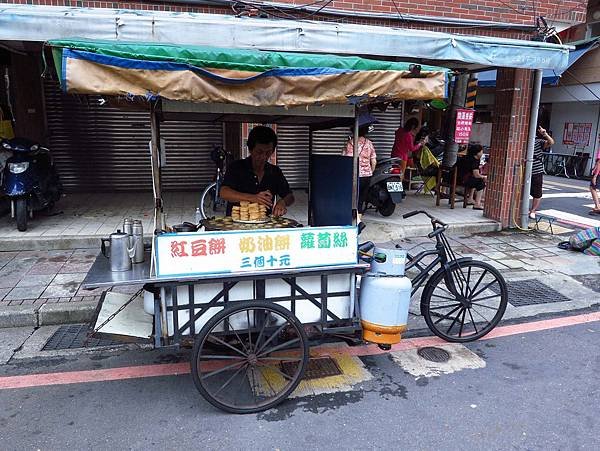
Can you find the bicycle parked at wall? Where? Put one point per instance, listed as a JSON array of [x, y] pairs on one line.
[[464, 299], [210, 203]]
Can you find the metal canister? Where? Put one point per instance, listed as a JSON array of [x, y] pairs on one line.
[[137, 241], [128, 226]]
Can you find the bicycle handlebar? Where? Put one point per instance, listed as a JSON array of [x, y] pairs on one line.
[[434, 220]]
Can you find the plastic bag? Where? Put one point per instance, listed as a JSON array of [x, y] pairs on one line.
[[6, 129]]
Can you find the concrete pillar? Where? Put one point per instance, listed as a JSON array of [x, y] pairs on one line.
[[509, 144]]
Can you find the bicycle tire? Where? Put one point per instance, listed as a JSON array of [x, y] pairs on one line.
[[438, 314], [207, 199], [236, 404]]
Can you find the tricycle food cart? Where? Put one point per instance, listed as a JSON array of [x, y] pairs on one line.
[[248, 300]]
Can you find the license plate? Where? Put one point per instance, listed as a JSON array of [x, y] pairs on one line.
[[394, 187]]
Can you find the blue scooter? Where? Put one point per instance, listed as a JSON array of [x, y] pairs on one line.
[[30, 180]]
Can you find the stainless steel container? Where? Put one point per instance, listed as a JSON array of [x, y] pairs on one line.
[[137, 242], [117, 251], [128, 226]]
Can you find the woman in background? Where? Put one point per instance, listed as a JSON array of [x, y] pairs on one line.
[[367, 160]]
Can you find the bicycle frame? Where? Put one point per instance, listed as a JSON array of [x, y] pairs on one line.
[[441, 259]]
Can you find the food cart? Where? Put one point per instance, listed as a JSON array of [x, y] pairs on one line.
[[245, 299]]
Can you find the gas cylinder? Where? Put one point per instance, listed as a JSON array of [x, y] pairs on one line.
[[385, 298]]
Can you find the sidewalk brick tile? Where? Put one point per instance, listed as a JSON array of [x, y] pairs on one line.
[[496, 255], [512, 264], [34, 280], [497, 265], [60, 290], [505, 247], [46, 268], [517, 255], [4, 292], [25, 293], [95, 291], [9, 281], [77, 267]]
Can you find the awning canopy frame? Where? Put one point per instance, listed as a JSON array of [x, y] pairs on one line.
[[42, 23]]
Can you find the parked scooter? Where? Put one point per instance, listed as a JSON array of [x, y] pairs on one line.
[[385, 187], [30, 180]]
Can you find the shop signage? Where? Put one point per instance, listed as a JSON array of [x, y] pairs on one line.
[[207, 253], [577, 134], [464, 124]]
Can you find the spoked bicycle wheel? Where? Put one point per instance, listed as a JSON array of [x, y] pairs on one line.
[[250, 357], [465, 303], [210, 204]]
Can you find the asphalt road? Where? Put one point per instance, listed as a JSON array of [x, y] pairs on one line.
[[538, 390], [568, 195]]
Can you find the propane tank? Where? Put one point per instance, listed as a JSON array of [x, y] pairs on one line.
[[384, 298]]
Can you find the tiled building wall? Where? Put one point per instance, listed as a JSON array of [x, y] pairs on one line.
[[509, 143]]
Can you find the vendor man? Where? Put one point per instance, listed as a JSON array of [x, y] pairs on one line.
[[254, 179]]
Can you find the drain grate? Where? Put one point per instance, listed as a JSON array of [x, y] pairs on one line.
[[74, 336], [530, 292], [433, 354], [316, 369]]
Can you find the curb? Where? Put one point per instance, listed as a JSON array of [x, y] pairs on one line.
[[51, 243], [380, 232], [47, 314]]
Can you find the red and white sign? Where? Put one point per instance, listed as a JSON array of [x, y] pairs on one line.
[[577, 134], [464, 124]]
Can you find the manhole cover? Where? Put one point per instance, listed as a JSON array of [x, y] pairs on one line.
[[432, 354], [74, 336], [530, 292], [316, 369]]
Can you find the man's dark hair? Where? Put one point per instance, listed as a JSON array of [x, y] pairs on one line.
[[261, 135], [474, 149], [411, 124]]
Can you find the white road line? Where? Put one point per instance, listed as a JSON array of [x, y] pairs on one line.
[[571, 218], [581, 195], [565, 185]]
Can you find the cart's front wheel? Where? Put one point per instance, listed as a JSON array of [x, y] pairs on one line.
[[250, 357]]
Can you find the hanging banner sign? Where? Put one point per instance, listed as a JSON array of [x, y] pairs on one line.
[[464, 124], [210, 253]]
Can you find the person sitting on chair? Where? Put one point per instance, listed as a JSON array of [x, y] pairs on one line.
[[472, 179]]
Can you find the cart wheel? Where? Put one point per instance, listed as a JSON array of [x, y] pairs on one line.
[[250, 357], [465, 303]]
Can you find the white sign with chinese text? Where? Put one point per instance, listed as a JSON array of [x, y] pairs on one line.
[[209, 253]]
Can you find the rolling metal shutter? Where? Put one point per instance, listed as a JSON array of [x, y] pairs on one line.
[[292, 150], [99, 148], [385, 130]]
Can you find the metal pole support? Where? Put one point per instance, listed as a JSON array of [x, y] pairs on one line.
[[459, 94], [533, 118]]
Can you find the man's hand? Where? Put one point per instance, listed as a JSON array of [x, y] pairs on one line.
[[264, 198], [280, 208]]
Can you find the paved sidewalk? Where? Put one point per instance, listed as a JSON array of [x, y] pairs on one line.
[[39, 278], [80, 220]]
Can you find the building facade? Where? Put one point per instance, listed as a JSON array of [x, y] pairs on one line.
[[84, 132]]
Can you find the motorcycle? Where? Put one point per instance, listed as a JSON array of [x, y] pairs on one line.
[[30, 180], [385, 186]]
